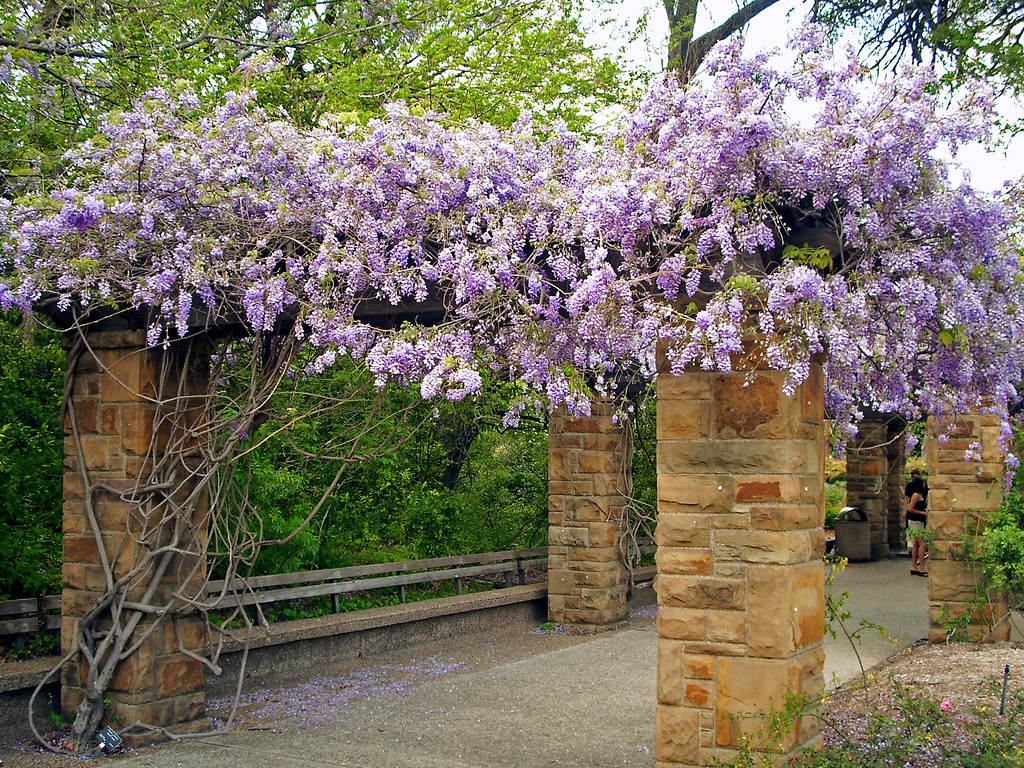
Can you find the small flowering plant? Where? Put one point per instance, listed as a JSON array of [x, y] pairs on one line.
[[708, 217]]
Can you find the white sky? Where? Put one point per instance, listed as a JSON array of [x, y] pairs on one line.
[[770, 29]]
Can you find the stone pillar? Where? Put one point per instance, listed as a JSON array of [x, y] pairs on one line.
[[741, 589], [588, 475], [961, 494], [866, 480], [896, 455], [113, 401]]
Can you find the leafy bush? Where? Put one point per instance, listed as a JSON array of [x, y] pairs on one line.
[[31, 458], [835, 500]]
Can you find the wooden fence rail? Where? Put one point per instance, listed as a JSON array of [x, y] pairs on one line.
[[32, 614]]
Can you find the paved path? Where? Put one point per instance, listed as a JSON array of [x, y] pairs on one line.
[[520, 700]]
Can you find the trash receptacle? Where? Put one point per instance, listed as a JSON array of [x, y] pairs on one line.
[[853, 534]]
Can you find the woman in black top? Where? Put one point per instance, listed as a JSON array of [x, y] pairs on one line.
[[917, 519]]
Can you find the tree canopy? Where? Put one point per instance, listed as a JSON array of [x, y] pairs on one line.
[[707, 214], [64, 63], [967, 38]]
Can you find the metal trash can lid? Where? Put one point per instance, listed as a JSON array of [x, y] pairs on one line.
[[847, 514]]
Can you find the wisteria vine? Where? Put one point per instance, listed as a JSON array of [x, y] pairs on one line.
[[553, 258]]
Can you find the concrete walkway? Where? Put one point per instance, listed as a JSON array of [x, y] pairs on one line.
[[521, 699]]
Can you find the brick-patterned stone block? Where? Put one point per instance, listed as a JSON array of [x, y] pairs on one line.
[[753, 407], [114, 421], [963, 494], [588, 468], [686, 421], [746, 500]]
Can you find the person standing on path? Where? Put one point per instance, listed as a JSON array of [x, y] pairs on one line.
[[916, 521]]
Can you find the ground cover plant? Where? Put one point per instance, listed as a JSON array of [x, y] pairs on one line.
[[708, 225]]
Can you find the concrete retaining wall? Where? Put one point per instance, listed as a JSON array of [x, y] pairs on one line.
[[294, 649]]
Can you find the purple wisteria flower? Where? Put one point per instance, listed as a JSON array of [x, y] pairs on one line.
[[694, 227]]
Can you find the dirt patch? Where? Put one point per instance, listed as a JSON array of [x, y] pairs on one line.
[[963, 679]]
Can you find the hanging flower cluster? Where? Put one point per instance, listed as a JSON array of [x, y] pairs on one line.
[[708, 216]]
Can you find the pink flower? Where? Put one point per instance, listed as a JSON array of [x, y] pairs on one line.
[[946, 705]]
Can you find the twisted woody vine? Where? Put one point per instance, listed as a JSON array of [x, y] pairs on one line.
[[708, 224]]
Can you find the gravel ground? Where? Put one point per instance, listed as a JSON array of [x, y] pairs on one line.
[[957, 672]]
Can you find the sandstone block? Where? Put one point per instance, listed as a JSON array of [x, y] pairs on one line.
[[556, 607], [612, 485], [751, 456], [180, 675], [560, 582], [586, 509], [716, 649], [579, 555], [86, 386], [189, 707], [947, 526], [752, 407], [684, 561], [694, 493], [670, 672], [677, 734], [603, 534], [976, 496], [759, 489], [130, 377], [569, 536], [681, 624], [683, 530], [700, 592], [80, 549], [787, 518], [950, 581], [727, 626], [558, 464], [699, 694], [597, 462], [682, 420], [812, 396], [698, 667], [86, 413], [759, 546], [748, 689], [786, 609], [137, 428], [600, 579], [688, 387], [938, 499], [137, 675], [96, 449], [734, 521], [595, 620]]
